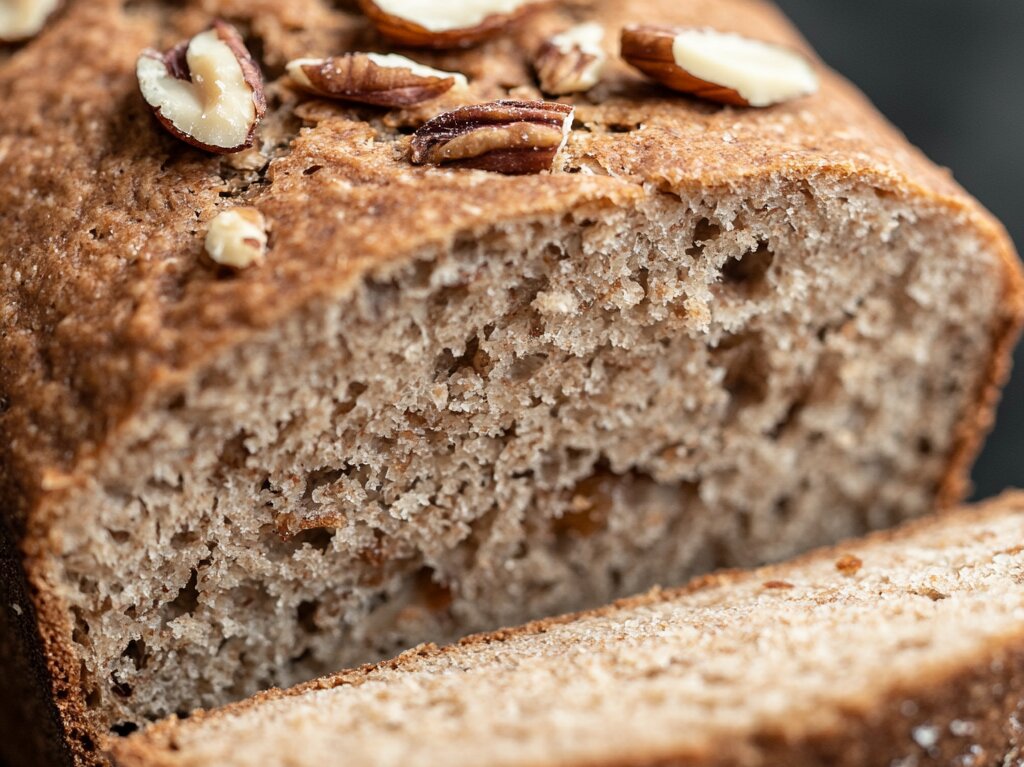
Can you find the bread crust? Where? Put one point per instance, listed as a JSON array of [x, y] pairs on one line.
[[989, 691], [106, 208]]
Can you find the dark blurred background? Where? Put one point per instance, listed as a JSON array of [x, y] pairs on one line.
[[950, 74]]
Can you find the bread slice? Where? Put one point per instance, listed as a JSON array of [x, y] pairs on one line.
[[449, 400], [899, 649]]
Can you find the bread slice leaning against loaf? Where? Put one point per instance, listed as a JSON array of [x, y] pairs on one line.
[[902, 648], [448, 399]]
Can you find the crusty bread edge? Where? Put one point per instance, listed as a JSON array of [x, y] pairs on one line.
[[977, 422], [872, 732]]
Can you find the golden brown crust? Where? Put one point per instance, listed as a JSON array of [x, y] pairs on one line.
[[987, 691], [108, 307]]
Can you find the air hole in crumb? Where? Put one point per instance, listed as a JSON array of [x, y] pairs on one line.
[[93, 699], [554, 252], [305, 615], [744, 525], [789, 418], [120, 536], [750, 270], [524, 368], [432, 594], [124, 729], [184, 538], [121, 689], [473, 357], [746, 371], [312, 169], [234, 453], [931, 593], [352, 393], [188, 598], [783, 509], [590, 504], [925, 446], [318, 538], [136, 652], [80, 633], [703, 233], [316, 480], [616, 578]]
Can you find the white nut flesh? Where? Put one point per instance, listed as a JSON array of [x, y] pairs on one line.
[[215, 107], [762, 73], [21, 19], [237, 238], [450, 15], [585, 38]]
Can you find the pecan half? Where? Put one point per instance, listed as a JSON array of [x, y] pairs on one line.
[[444, 24], [511, 137], [22, 19], [573, 61], [372, 78], [207, 91], [719, 66]]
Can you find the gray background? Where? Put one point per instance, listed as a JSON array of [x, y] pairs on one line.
[[950, 74]]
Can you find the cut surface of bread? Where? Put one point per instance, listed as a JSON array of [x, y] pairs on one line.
[[899, 649], [450, 400]]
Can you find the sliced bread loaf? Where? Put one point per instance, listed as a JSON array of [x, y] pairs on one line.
[[448, 399], [899, 649]]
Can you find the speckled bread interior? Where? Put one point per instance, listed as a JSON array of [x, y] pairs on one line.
[[902, 649], [450, 400]]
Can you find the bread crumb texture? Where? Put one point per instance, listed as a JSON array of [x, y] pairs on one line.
[[448, 399], [834, 671]]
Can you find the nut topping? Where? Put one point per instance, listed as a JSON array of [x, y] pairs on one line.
[[511, 137], [22, 19], [372, 78], [719, 66], [573, 61], [207, 91], [451, 24], [237, 238]]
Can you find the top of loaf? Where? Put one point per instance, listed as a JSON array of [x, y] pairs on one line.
[[106, 300]]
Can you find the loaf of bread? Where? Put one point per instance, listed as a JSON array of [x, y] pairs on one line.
[[447, 399], [899, 649]]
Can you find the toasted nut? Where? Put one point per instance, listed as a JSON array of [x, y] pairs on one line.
[[848, 564], [452, 24], [719, 66], [511, 137], [371, 78], [22, 19], [237, 238], [573, 61], [207, 91]]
